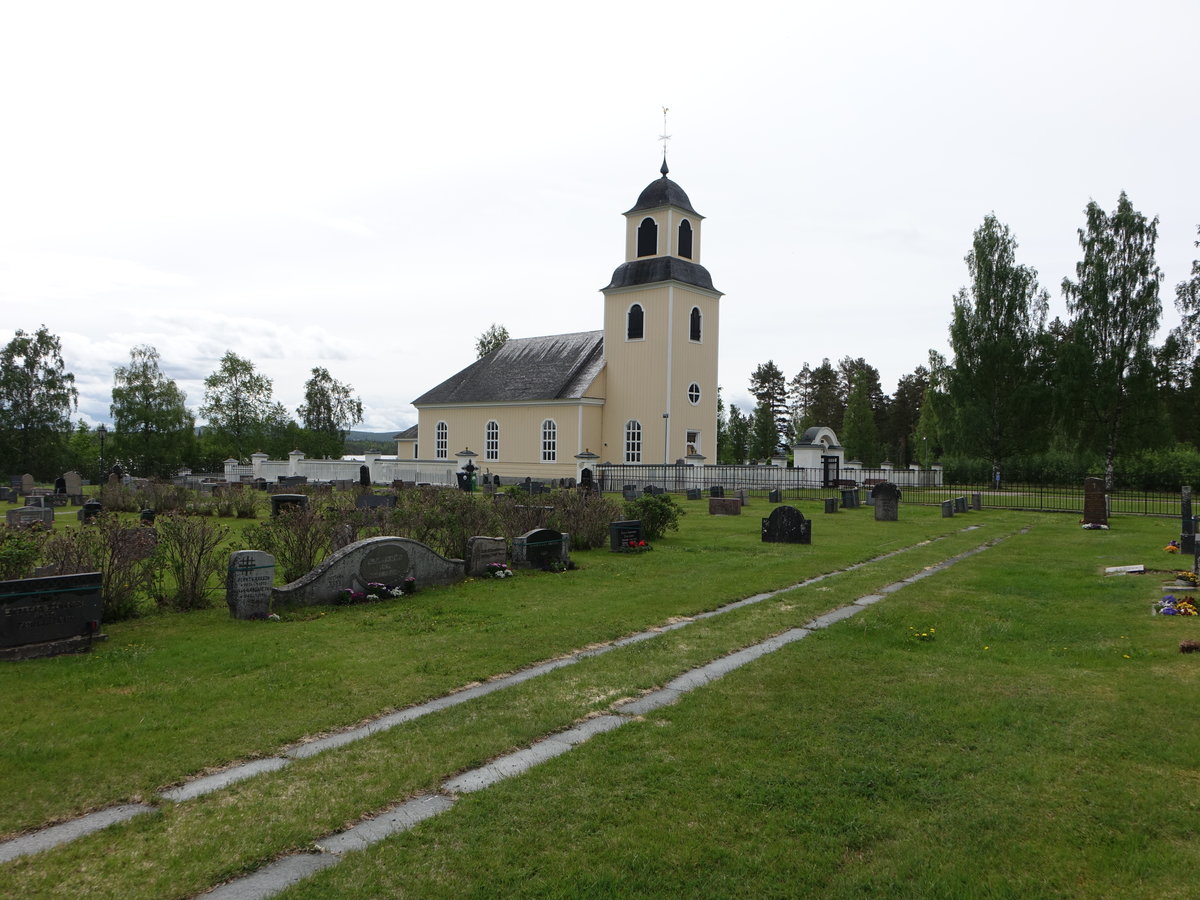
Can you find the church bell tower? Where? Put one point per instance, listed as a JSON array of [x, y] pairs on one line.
[[661, 324]]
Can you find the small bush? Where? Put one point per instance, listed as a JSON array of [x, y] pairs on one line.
[[299, 537], [190, 551], [585, 516], [443, 518], [20, 550], [124, 554], [659, 513]]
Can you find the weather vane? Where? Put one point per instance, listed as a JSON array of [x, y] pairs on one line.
[[664, 137]]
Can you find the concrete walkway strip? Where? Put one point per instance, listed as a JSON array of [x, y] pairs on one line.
[[210, 783], [69, 831], [395, 820], [274, 878]]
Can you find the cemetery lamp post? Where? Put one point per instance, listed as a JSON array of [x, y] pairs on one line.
[[666, 437]]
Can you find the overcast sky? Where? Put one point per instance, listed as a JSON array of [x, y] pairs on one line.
[[367, 186]]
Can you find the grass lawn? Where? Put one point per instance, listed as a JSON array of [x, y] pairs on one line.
[[1037, 745]]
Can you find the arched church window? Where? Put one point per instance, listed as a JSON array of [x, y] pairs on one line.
[[491, 440], [635, 323], [685, 239], [694, 323], [647, 237], [441, 440], [549, 441], [633, 441]]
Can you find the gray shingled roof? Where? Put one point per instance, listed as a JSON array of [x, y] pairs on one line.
[[553, 367], [654, 269], [408, 434], [663, 192]]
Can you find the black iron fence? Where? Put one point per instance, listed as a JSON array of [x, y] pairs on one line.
[[922, 487]]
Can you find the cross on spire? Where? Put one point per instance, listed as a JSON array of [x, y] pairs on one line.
[[664, 137]]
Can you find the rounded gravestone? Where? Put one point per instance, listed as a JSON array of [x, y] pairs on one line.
[[387, 564]]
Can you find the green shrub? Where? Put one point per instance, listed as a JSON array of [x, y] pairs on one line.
[[191, 550], [123, 552], [20, 550], [659, 513], [299, 537], [584, 516]]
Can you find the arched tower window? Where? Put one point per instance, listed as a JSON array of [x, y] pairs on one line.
[[647, 237], [633, 441], [694, 324], [685, 239], [491, 440], [549, 441], [441, 440], [635, 323]]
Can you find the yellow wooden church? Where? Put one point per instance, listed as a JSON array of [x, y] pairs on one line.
[[643, 389]]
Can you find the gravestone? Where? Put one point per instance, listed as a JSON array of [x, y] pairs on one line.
[[724, 506], [541, 548], [743, 496], [39, 501], [693, 493], [90, 511], [1187, 529], [26, 483], [787, 525], [387, 560], [947, 509], [849, 498], [587, 482], [977, 501], [960, 504], [831, 504], [775, 496], [27, 516], [375, 501], [279, 502], [629, 492], [483, 551], [48, 616], [653, 490], [248, 583], [7, 493], [146, 517], [1095, 503], [716, 491], [621, 533], [887, 502], [60, 485], [364, 476]]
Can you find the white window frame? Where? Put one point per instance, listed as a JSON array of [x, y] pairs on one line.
[[633, 441], [549, 441], [491, 440]]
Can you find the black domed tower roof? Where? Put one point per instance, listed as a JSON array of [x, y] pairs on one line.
[[663, 192]]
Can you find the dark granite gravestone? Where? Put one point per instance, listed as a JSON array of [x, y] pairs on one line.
[[716, 491], [387, 560], [960, 504], [364, 476], [48, 616], [629, 492], [977, 501], [831, 504], [248, 584], [694, 493], [724, 506], [653, 490], [28, 516], [7, 493], [146, 517], [947, 509], [849, 498], [279, 502], [587, 481], [775, 496], [542, 548], [484, 551], [90, 510], [621, 533], [1095, 503], [787, 525], [60, 485], [375, 501], [887, 502]]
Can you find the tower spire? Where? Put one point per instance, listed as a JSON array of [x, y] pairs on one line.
[[664, 137]]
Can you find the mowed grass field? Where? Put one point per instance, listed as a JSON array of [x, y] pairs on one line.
[[1038, 741]]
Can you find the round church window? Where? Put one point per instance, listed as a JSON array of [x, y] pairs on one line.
[[694, 393]]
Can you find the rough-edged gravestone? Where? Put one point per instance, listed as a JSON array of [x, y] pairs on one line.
[[724, 506], [831, 504], [48, 616], [947, 509], [1095, 503], [27, 516], [620, 534], [541, 548], [960, 504], [887, 502], [385, 560], [280, 502], [716, 491], [693, 493], [375, 501], [977, 501], [26, 484], [787, 525], [248, 583], [484, 551], [775, 496]]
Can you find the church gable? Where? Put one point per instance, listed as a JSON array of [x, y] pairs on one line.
[[552, 367]]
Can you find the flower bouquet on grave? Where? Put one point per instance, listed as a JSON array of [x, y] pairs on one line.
[[497, 570], [1169, 606], [1172, 547], [1191, 579], [635, 546]]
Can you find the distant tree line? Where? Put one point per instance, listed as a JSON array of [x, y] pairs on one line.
[[1032, 399], [153, 432]]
